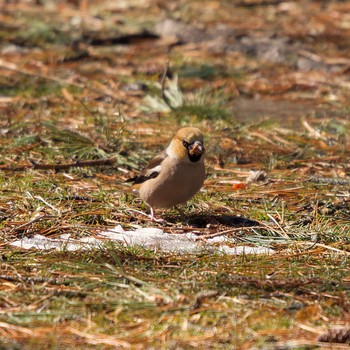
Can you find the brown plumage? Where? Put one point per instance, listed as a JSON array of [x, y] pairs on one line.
[[176, 174]]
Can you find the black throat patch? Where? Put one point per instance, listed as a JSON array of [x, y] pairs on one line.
[[193, 157]]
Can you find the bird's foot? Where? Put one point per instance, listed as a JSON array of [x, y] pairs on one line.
[[153, 218], [150, 216]]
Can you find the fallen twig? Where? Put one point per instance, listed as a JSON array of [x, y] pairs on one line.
[[335, 335], [332, 248], [238, 229], [253, 3], [59, 167], [32, 279], [38, 218], [100, 339], [329, 180], [15, 328], [231, 230]]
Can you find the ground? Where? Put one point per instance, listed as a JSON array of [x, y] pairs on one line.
[[86, 99]]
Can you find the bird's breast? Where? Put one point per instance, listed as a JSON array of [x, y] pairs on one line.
[[176, 184]]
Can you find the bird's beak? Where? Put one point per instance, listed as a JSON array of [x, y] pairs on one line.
[[196, 148]]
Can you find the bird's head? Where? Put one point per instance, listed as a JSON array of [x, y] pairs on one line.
[[187, 144]]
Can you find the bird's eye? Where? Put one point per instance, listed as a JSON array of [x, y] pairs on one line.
[[185, 144]]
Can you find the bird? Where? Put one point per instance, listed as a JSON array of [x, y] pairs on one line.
[[176, 174]]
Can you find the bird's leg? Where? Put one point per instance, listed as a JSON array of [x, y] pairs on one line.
[[153, 218], [152, 214]]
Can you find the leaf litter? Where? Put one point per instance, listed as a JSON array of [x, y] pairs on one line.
[[267, 81]]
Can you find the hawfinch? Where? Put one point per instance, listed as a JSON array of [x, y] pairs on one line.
[[176, 174]]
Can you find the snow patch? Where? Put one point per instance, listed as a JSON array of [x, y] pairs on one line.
[[149, 237]]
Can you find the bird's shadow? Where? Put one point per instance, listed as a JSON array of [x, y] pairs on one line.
[[205, 221]]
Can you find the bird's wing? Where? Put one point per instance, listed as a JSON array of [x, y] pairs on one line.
[[151, 171]]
